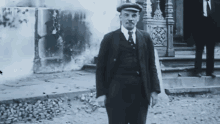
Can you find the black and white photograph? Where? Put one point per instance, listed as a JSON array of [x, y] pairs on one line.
[[109, 61]]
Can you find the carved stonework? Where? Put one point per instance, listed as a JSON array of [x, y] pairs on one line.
[[171, 29], [158, 15], [158, 35], [169, 9], [170, 23], [158, 12], [160, 28], [147, 9]]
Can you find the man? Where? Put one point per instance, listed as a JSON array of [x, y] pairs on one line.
[[204, 19], [126, 72]]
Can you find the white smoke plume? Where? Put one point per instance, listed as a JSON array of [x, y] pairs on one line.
[[17, 45], [17, 48], [102, 17]]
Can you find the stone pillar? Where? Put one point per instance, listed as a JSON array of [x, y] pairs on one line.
[[170, 23], [37, 60], [147, 8], [156, 26]]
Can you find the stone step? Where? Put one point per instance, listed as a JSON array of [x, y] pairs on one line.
[[190, 52], [173, 81], [185, 52], [191, 85], [50, 65], [187, 71], [192, 90], [181, 61], [183, 48], [167, 71], [179, 44], [194, 82], [182, 51], [89, 67], [181, 85]]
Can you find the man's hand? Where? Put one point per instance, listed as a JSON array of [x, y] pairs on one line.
[[101, 100], [154, 97]]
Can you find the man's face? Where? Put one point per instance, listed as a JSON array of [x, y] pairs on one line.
[[129, 19]]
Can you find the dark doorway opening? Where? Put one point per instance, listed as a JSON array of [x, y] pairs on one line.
[[187, 27]]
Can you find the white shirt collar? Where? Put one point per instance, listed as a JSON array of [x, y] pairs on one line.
[[205, 2], [205, 5], [125, 32]]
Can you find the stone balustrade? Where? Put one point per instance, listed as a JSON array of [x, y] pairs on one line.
[[160, 28]]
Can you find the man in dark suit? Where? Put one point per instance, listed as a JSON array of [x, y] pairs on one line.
[[204, 22], [126, 73]]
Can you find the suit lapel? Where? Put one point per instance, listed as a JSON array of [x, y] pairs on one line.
[[199, 7], [212, 6], [140, 44]]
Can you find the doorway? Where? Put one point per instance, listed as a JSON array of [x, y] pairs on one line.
[[187, 28]]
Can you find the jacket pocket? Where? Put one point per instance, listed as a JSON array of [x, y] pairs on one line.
[[114, 88]]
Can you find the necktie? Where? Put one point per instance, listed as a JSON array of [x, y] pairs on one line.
[[130, 39], [208, 8]]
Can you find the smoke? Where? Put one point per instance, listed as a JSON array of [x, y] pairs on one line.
[[101, 17], [17, 46]]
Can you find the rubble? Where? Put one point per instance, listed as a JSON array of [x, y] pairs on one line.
[[44, 109], [27, 112], [181, 108]]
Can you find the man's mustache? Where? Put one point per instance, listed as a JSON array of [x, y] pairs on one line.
[[129, 23]]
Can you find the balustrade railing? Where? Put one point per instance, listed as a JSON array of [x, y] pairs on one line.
[[160, 28]]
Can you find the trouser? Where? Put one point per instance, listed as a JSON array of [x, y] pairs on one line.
[[125, 102], [210, 47], [205, 35]]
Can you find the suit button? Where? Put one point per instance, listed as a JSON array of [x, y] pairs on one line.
[[114, 59], [138, 72], [131, 44], [133, 47]]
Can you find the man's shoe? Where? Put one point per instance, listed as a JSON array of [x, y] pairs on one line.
[[213, 75], [198, 75]]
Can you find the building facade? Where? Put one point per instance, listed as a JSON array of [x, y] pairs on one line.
[[165, 20]]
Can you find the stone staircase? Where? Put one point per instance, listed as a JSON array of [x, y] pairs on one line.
[[177, 72]]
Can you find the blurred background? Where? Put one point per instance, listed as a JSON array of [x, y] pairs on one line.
[[70, 33]]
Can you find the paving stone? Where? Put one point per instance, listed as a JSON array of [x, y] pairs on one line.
[[102, 110]]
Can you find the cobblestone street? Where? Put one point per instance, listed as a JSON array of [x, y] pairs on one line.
[[200, 109]]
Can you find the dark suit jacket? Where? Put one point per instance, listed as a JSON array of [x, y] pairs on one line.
[[198, 21], [216, 12], [108, 55], [197, 11]]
